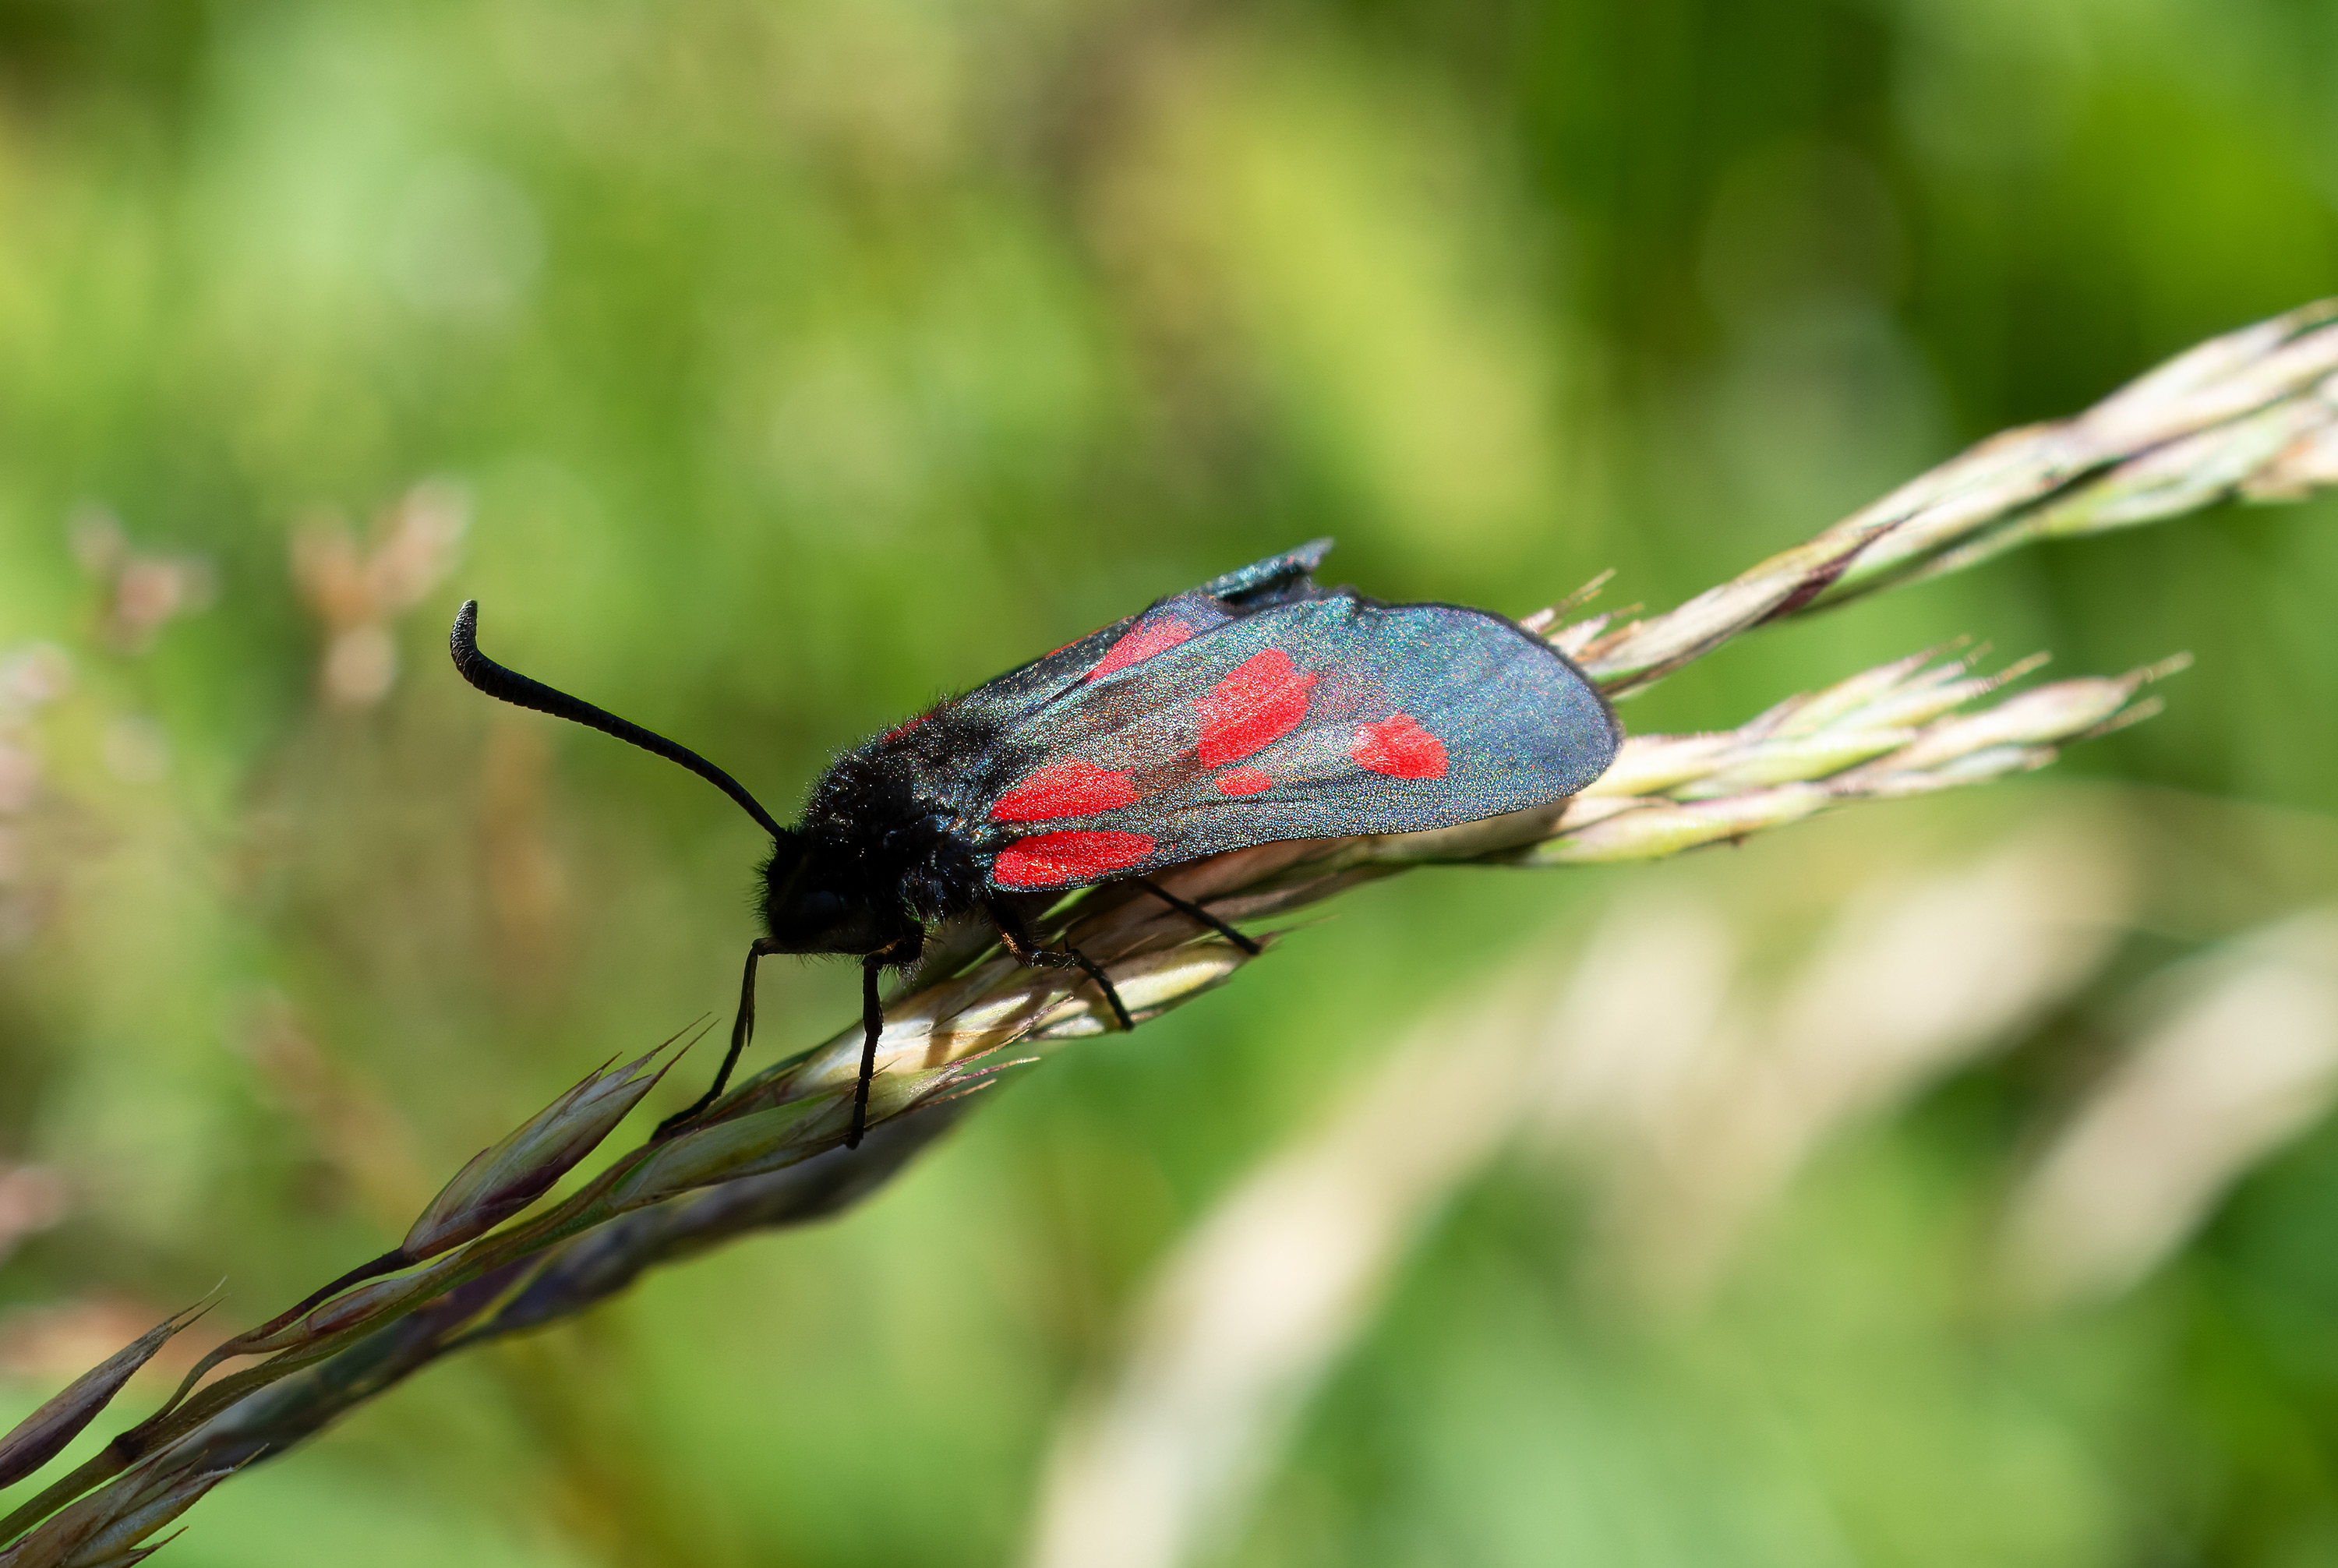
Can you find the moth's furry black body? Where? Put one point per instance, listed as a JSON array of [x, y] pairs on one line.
[[893, 840], [977, 805], [897, 836]]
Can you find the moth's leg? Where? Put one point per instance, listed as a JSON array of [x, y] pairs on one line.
[[1095, 972], [902, 953], [872, 1025], [1017, 940], [1195, 912], [1014, 935], [742, 1029]]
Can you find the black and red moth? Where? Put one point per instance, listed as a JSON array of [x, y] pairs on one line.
[[1257, 706]]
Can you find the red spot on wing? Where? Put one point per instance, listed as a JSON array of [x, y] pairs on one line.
[[1142, 645], [1239, 781], [1056, 860], [1398, 748], [1072, 789], [1263, 700]]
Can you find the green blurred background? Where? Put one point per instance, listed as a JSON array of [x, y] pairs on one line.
[[766, 370]]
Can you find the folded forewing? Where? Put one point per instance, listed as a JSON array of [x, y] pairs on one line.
[[1319, 718]]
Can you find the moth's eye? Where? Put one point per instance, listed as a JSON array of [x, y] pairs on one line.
[[816, 910]]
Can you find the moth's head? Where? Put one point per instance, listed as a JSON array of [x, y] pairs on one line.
[[818, 897], [816, 902]]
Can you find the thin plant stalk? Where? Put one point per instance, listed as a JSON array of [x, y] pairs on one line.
[[2253, 414]]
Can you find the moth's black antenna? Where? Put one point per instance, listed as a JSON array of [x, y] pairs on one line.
[[513, 687]]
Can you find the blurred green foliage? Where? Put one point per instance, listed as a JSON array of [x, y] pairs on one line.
[[797, 361]]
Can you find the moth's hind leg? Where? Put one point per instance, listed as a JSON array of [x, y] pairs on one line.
[[1095, 972], [1194, 912], [1015, 936]]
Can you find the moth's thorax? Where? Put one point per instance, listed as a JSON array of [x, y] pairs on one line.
[[883, 849]]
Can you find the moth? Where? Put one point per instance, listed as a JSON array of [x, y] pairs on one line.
[[1256, 708]]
